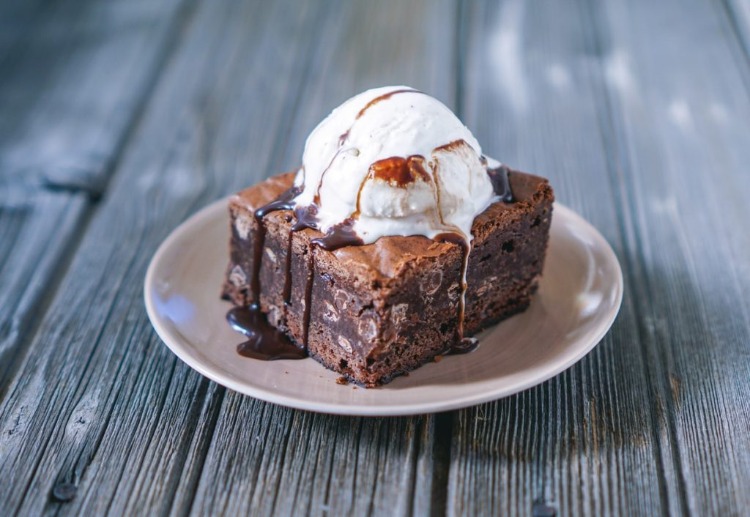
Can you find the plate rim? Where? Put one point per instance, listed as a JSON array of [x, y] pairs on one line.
[[213, 373]]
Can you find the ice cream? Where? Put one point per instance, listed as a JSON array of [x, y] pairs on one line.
[[394, 161]]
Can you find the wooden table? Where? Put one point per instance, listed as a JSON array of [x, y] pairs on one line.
[[119, 119]]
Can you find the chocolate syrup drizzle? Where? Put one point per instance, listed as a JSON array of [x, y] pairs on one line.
[[383, 97], [265, 341], [344, 137], [500, 182]]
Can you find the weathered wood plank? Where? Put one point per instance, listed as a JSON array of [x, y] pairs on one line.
[[317, 464], [112, 411], [661, 429], [683, 148], [72, 77], [38, 229], [581, 443], [622, 107], [80, 398]]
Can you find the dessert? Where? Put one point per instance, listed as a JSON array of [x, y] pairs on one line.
[[395, 242]]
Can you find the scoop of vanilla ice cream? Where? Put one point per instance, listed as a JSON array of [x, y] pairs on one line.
[[398, 162]]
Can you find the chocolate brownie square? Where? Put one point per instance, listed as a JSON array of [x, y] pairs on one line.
[[375, 311]]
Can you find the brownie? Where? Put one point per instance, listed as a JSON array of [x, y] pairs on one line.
[[382, 309]]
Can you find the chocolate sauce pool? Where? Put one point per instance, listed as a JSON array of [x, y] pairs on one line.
[[265, 341]]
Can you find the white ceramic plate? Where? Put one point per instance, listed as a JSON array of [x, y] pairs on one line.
[[578, 299]]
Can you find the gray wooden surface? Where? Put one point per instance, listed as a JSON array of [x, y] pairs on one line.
[[119, 119]]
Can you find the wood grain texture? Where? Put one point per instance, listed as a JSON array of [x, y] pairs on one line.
[[582, 442], [636, 111], [38, 231], [653, 155], [683, 148], [112, 412], [102, 376], [72, 76]]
